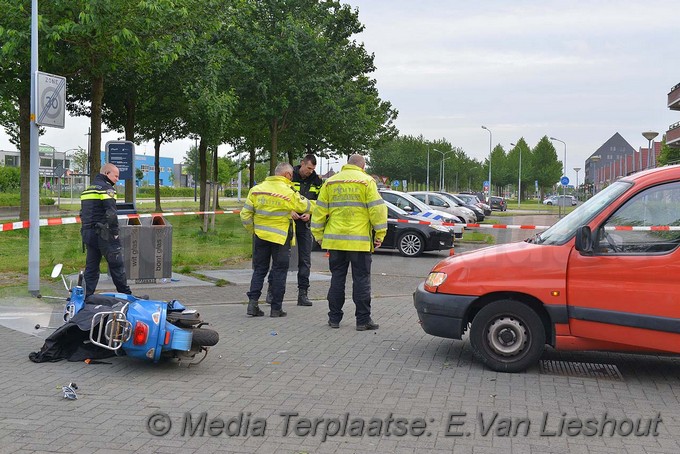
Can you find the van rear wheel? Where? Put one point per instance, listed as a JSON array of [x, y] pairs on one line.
[[508, 336]]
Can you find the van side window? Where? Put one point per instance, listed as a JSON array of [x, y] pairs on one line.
[[657, 206]]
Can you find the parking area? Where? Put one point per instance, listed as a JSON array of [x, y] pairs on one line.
[[294, 385]]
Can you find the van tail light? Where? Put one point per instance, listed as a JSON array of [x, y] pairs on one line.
[[140, 333]]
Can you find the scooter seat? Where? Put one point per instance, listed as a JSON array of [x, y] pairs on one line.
[[103, 300]]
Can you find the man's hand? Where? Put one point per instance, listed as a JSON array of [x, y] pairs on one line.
[[294, 215], [377, 243], [304, 217]]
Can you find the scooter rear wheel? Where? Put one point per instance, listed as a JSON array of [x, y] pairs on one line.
[[204, 337]]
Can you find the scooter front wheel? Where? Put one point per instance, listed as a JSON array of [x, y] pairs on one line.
[[204, 337]]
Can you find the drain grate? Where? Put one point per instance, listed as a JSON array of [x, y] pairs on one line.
[[574, 369]]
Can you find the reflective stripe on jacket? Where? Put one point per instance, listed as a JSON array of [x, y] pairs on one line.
[[98, 204], [266, 212], [348, 212]]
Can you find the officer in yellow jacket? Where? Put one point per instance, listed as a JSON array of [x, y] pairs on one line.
[[349, 220], [267, 214]]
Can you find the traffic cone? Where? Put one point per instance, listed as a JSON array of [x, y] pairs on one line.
[[451, 252], [328, 254]]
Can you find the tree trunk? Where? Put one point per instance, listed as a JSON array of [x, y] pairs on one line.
[[251, 168], [25, 153], [157, 177], [290, 157], [202, 171], [274, 131], [216, 202], [97, 94]]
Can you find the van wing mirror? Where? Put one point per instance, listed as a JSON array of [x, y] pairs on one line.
[[584, 240], [407, 208]]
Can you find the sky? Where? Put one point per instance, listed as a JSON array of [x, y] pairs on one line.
[[579, 71]]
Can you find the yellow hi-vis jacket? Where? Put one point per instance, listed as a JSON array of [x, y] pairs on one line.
[[267, 209], [349, 209]]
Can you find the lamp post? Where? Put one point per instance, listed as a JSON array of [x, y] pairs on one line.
[[649, 135], [427, 179], [490, 140], [441, 168], [564, 164], [519, 178], [576, 169]]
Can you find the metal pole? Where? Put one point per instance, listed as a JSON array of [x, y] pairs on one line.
[[427, 182], [34, 177], [564, 169], [519, 178], [490, 149]]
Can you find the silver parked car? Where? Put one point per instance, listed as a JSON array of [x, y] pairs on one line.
[[443, 203]]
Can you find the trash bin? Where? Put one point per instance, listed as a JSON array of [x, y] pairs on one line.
[[147, 249]]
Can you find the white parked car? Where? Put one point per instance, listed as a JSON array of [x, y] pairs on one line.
[[563, 200], [417, 208], [443, 203]]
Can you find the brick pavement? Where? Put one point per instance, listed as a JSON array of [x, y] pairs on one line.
[[319, 372]]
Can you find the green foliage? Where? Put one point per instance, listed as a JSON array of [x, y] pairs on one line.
[[14, 200], [669, 155], [165, 191], [10, 179]]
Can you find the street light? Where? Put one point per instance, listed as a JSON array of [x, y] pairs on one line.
[[564, 187], [427, 180], [441, 168], [576, 169], [490, 140], [519, 178], [649, 135]]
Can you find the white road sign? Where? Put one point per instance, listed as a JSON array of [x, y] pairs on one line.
[[51, 100]]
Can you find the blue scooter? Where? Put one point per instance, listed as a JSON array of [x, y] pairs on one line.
[[139, 327]]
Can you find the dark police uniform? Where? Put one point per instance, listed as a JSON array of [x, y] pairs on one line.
[[100, 234], [309, 188]]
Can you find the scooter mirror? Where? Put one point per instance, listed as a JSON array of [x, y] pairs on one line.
[[56, 271]]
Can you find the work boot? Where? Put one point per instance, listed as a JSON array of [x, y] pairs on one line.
[[278, 313], [303, 299], [254, 309], [270, 297], [371, 325]]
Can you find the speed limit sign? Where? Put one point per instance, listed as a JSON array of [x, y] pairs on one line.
[[50, 100]]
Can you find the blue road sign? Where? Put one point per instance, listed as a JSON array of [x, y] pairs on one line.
[[564, 181], [395, 183]]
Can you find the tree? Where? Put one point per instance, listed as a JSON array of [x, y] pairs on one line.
[[79, 160], [546, 168], [668, 155]]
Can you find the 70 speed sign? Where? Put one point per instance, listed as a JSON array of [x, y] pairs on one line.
[[50, 100]]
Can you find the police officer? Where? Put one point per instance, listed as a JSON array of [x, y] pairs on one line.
[[307, 183], [100, 230], [350, 219], [267, 213]]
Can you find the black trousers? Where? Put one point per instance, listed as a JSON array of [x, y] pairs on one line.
[[303, 239], [98, 247], [338, 263], [279, 255]]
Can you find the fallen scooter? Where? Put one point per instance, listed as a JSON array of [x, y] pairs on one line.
[[109, 324]]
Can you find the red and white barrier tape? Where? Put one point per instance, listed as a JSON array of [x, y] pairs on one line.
[[76, 220], [638, 228]]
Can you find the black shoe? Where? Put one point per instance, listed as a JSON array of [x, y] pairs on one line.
[[270, 297], [368, 326], [333, 324], [303, 299], [279, 313], [254, 309]]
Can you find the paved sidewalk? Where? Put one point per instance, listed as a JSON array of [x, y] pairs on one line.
[[351, 385]]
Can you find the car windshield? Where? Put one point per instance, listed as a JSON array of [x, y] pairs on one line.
[[396, 209], [416, 204], [455, 199], [565, 228]]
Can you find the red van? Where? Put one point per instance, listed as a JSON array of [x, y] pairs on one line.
[[605, 277]]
